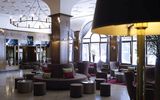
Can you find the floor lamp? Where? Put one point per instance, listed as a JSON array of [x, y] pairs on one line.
[[128, 18]]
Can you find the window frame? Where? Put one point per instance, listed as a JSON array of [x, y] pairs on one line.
[[131, 53], [99, 42]]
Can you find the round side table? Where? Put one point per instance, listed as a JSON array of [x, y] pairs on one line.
[[88, 87], [105, 89], [16, 80], [24, 86], [39, 88], [98, 81], [76, 90]]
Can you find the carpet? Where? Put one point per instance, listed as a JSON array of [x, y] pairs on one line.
[[115, 81]]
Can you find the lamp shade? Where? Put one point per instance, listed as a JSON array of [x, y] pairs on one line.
[[118, 17]]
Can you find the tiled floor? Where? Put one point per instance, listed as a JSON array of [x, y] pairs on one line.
[[9, 68], [7, 91]]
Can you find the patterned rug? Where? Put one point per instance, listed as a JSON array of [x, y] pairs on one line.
[[114, 81]]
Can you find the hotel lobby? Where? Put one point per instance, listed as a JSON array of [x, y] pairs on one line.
[[79, 50]]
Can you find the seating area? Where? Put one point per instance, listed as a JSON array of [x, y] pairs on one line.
[[69, 49], [79, 85], [52, 77], [60, 83]]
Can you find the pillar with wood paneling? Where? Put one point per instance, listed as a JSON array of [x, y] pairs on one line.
[[59, 38]]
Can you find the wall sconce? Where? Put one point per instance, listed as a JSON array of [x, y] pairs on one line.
[[1, 30], [59, 20], [113, 47], [76, 47]]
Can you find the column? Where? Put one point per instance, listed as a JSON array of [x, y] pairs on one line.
[[59, 38], [113, 48], [76, 55]]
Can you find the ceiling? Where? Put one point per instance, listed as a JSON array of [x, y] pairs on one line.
[[81, 11], [83, 8], [19, 7]]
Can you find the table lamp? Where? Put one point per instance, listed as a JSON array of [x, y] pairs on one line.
[[128, 18]]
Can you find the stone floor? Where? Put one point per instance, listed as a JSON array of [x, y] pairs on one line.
[[9, 68], [7, 91]]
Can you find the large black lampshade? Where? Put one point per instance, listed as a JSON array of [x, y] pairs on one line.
[[130, 17], [113, 17]]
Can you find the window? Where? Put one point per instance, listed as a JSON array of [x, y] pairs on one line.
[[85, 50], [134, 53], [150, 53], [129, 50], [94, 47], [104, 54], [126, 52], [151, 59], [70, 49]]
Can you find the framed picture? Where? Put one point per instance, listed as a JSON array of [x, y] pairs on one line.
[[30, 40]]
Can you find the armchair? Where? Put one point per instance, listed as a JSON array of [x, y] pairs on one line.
[[129, 75], [83, 68], [113, 67]]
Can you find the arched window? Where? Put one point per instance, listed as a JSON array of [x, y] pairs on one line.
[[94, 47]]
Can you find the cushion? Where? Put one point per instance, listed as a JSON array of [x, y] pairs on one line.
[[45, 69], [68, 73], [46, 75], [67, 69]]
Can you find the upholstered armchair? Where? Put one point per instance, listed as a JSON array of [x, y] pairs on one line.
[[149, 72], [149, 90], [113, 67], [129, 75], [83, 68]]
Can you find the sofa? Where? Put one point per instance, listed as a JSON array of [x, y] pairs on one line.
[[56, 70]]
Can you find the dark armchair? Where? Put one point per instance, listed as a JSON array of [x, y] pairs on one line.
[[129, 75], [149, 72], [149, 89], [83, 68]]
